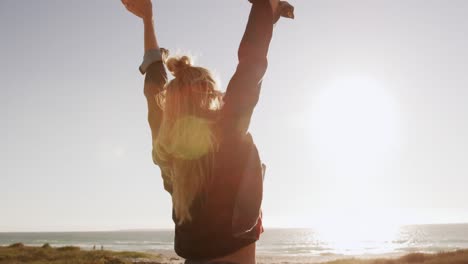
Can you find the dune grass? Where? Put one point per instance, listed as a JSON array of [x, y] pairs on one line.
[[18, 253], [455, 257]]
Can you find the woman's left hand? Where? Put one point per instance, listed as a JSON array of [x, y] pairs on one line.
[[140, 8]]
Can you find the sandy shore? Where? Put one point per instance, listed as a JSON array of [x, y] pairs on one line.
[[455, 257], [19, 253], [170, 257]]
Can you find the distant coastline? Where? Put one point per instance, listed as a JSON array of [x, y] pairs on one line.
[[20, 253], [171, 228], [295, 243]]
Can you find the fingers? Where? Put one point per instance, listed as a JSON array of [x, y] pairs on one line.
[[126, 3], [130, 6], [287, 10], [140, 8]]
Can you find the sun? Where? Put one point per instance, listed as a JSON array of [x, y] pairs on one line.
[[355, 116], [354, 128]]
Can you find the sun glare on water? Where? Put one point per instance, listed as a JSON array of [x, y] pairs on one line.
[[358, 231]]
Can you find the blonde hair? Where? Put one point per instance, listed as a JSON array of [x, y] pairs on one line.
[[186, 140]]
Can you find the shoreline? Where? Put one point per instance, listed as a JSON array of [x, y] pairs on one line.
[[20, 253]]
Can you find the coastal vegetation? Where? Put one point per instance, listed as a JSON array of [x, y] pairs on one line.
[[455, 257], [18, 253]]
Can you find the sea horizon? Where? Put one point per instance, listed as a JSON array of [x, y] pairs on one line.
[[279, 242], [171, 228]]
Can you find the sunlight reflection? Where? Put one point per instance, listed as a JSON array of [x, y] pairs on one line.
[[359, 232]]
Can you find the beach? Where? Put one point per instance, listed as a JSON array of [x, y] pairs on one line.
[[275, 246], [288, 244], [20, 253]]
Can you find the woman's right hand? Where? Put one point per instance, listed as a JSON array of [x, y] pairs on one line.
[[140, 8]]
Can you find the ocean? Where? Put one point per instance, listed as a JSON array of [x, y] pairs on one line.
[[274, 242]]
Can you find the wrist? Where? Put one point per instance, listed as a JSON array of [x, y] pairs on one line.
[[148, 19]]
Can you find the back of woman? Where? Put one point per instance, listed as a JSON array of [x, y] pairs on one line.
[[226, 215], [208, 160], [212, 170]]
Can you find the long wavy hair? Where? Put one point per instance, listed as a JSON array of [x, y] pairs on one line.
[[186, 142]]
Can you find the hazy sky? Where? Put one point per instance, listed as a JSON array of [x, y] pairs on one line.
[[363, 115]]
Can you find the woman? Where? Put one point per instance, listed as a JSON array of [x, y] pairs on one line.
[[208, 160]]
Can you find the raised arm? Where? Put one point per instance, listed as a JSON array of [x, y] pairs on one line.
[[243, 90], [152, 65]]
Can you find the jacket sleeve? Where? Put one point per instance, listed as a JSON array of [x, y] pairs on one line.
[[243, 90], [155, 80]]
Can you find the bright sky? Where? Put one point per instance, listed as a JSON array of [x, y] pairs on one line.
[[363, 115]]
